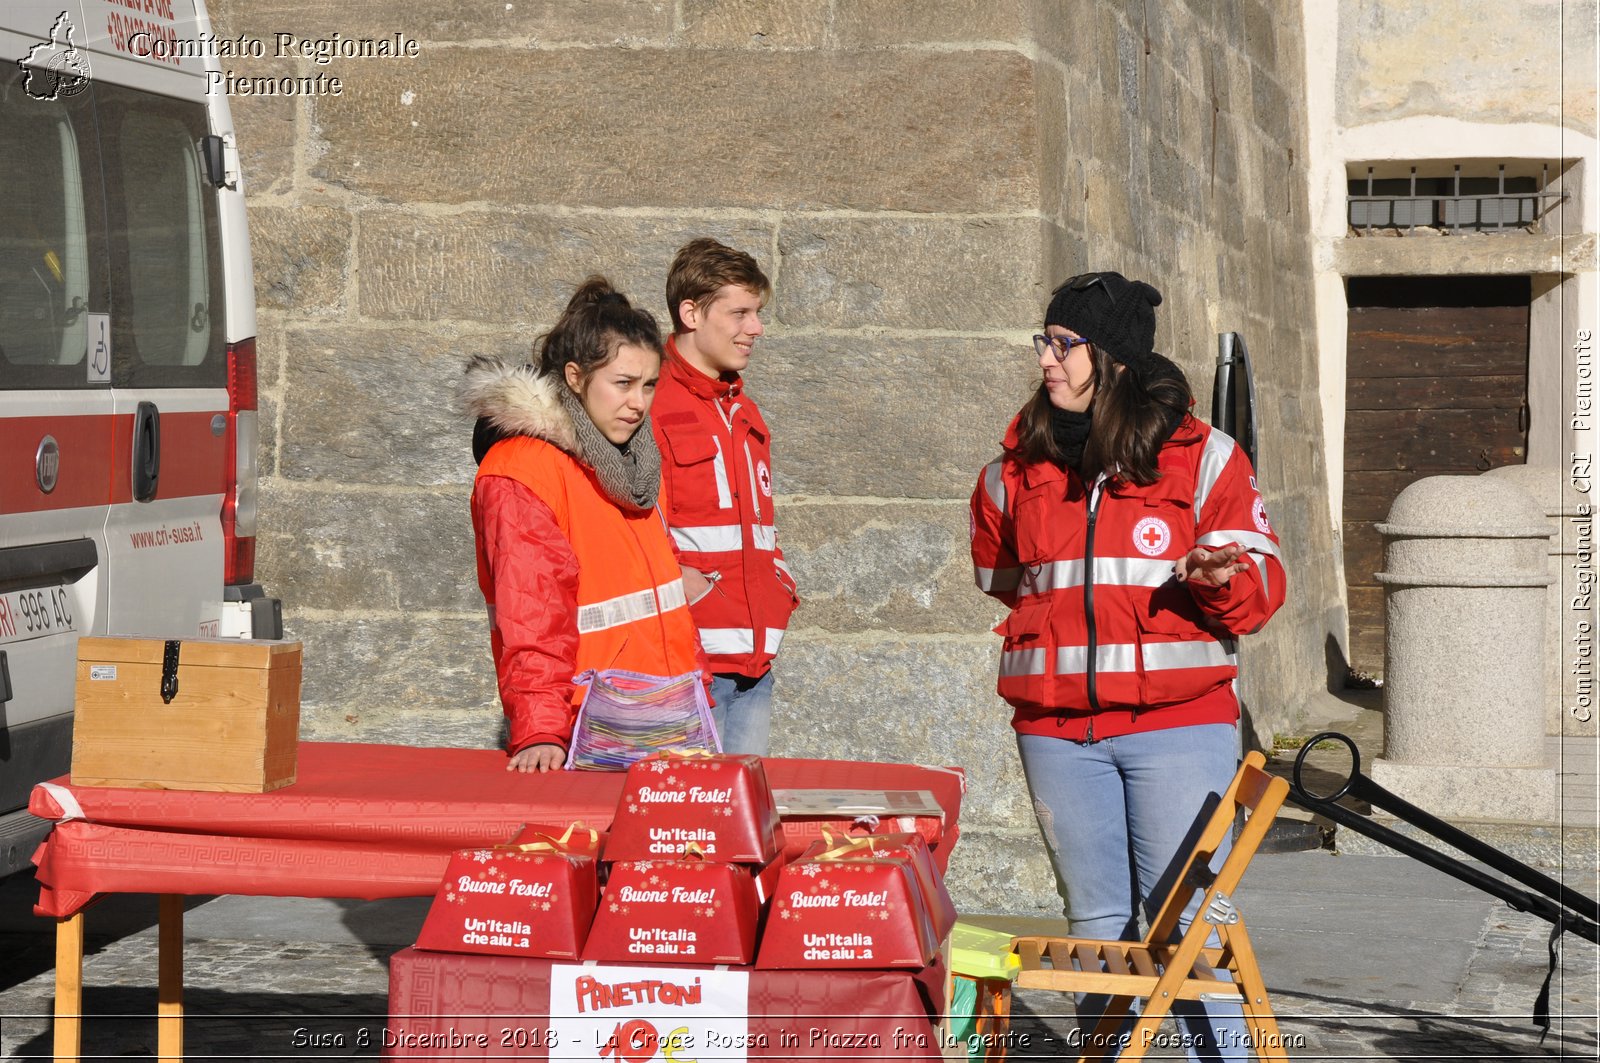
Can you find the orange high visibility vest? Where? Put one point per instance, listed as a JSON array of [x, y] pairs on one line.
[[632, 614]]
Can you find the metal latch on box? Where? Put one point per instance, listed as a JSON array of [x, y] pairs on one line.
[[169, 672]]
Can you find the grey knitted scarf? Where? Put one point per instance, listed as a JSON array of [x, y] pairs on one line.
[[630, 475]]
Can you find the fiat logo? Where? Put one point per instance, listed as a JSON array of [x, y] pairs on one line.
[[47, 464]]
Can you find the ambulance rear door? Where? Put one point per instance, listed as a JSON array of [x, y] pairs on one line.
[[169, 351], [57, 435]]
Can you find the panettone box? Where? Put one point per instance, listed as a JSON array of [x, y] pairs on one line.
[[533, 897], [680, 911], [720, 802], [186, 714], [809, 816], [913, 848], [855, 912]]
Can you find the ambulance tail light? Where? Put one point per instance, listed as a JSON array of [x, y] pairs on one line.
[[239, 495]]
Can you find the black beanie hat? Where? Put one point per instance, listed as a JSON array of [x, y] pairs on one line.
[[1112, 312]]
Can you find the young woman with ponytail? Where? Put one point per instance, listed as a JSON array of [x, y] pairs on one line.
[[574, 562], [1132, 545]]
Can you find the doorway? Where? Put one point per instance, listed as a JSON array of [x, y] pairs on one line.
[[1436, 384]]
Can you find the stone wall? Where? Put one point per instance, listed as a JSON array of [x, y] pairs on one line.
[[915, 177]]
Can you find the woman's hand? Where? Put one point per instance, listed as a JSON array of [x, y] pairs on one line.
[[1212, 568], [544, 757]]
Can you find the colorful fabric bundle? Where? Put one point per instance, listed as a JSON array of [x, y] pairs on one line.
[[628, 715]]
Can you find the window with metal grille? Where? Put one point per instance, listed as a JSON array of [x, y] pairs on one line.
[[1452, 204]]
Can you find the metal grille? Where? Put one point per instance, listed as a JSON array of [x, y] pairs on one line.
[[1453, 205]]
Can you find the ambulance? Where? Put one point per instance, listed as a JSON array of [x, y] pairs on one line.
[[128, 416]]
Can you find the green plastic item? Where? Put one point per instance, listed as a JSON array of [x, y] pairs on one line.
[[963, 1016], [980, 953]]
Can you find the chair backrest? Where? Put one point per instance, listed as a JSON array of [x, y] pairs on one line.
[[1259, 795]]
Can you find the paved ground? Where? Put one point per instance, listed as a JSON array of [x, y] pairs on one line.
[[1368, 958]]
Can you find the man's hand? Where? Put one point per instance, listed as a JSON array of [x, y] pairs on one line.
[[544, 757], [695, 585], [1212, 568]]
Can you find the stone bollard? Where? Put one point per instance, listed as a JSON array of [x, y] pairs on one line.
[[1464, 667], [1569, 682]]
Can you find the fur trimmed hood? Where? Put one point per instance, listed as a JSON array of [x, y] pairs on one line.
[[515, 400]]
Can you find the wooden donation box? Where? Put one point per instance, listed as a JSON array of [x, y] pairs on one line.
[[190, 714]]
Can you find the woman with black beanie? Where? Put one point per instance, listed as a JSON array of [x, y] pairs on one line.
[[1133, 547]]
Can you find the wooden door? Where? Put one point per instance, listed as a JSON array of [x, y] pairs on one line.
[[1436, 384]]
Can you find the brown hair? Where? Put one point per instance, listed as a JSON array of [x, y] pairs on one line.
[[598, 320], [1131, 416], [702, 268]]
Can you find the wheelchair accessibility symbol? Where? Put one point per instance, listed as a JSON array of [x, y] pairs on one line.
[[99, 347]]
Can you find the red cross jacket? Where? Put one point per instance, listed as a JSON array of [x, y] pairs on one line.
[[1102, 639], [716, 493]]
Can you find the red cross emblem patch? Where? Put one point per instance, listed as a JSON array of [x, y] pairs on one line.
[[1151, 536], [764, 477]]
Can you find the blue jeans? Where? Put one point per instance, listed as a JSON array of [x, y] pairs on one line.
[[1114, 814], [743, 712]]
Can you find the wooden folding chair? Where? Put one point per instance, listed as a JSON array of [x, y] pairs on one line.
[[1162, 968]]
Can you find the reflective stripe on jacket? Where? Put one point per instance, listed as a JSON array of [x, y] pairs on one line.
[[1102, 639], [573, 582], [716, 494]]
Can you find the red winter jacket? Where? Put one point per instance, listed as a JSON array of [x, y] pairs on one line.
[[573, 581], [716, 493], [1102, 639]]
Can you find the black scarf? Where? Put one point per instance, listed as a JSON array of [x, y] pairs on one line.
[[1070, 430]]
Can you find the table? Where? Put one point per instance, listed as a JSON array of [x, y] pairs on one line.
[[447, 1005], [361, 821]]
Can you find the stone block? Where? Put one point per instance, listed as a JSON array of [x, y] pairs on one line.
[[903, 567], [268, 410], [378, 406], [910, 273], [1061, 30], [903, 700], [897, 23], [1055, 138], [1260, 36], [301, 256], [1110, 140], [754, 23], [395, 663], [770, 130], [546, 21], [836, 432], [999, 871], [507, 268], [1106, 204], [270, 338], [403, 725], [1066, 251], [367, 551], [1274, 111]]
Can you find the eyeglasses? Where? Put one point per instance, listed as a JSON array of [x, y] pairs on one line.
[[1084, 281], [1059, 346]]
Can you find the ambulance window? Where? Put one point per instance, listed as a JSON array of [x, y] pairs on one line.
[[167, 302], [44, 245]]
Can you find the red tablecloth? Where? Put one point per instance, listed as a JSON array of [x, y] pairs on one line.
[[361, 820], [824, 1013]]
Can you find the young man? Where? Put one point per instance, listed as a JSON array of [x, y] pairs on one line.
[[716, 483]]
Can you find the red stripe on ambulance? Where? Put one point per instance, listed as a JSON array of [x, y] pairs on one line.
[[96, 460]]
